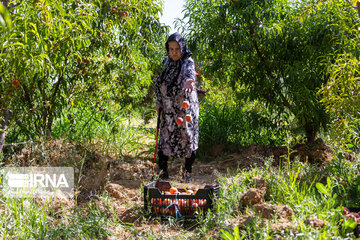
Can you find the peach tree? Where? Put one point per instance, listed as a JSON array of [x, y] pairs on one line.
[[58, 54], [277, 52], [341, 94]]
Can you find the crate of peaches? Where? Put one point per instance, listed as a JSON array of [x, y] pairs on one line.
[[164, 200]]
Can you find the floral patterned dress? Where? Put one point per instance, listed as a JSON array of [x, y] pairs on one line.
[[177, 141]]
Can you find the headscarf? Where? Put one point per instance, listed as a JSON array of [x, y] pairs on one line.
[[185, 51], [172, 70]]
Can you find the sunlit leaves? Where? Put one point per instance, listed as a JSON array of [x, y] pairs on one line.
[[278, 51], [66, 52], [5, 19], [341, 96]]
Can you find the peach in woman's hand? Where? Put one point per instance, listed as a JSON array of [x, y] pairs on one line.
[[188, 118], [185, 104], [179, 121]]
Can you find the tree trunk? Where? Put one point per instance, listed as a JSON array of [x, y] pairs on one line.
[[3, 127], [311, 133]]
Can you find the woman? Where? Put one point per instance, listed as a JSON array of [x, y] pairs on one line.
[[176, 98]]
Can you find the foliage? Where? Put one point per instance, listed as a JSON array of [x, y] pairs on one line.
[[228, 236], [310, 190], [341, 93], [235, 126], [232, 122], [5, 19], [28, 220], [111, 130], [301, 186], [59, 55], [272, 51]]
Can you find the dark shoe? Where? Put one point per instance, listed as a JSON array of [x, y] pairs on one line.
[[187, 177], [164, 175]]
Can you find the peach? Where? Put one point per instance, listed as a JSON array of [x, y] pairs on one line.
[[179, 121], [195, 207], [173, 190], [182, 202], [15, 83], [124, 14], [188, 118], [167, 202], [185, 104], [156, 210]]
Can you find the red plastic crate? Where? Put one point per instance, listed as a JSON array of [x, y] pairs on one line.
[[178, 205]]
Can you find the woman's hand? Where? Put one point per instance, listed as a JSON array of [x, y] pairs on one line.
[[188, 86]]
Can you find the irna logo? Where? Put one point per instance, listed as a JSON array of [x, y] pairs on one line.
[[29, 182]]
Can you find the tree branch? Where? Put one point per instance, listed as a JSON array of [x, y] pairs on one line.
[[277, 88], [50, 108], [27, 96]]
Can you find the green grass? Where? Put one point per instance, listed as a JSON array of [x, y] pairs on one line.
[[234, 126], [311, 191], [112, 132], [25, 219]]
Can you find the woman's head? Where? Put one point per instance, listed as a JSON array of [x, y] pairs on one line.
[[174, 50], [177, 48]]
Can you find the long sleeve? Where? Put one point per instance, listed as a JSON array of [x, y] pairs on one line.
[[190, 70], [189, 74], [158, 85], [157, 91]]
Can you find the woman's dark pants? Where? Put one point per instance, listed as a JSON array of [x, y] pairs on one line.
[[163, 164]]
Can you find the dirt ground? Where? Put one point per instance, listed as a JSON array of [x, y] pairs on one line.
[[127, 178], [122, 180]]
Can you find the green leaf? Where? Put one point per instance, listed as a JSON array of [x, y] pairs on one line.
[[5, 18], [322, 189], [14, 44], [226, 235], [236, 233]]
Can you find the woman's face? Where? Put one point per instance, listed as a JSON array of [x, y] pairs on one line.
[[174, 50]]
